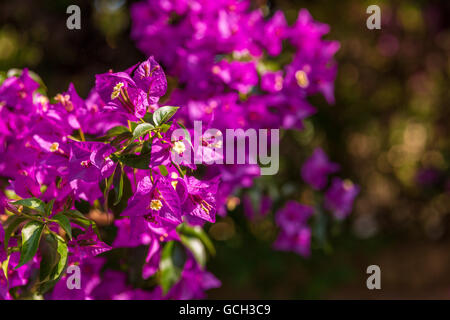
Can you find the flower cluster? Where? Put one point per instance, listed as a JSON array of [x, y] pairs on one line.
[[295, 232], [65, 160], [340, 195], [237, 68], [70, 168]]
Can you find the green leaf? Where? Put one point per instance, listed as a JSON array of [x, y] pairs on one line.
[[2, 76], [121, 137], [197, 232], [142, 129], [138, 161], [173, 258], [69, 203], [74, 214], [5, 265], [79, 219], [163, 170], [147, 147], [120, 187], [61, 253], [126, 195], [131, 148], [197, 248], [49, 207], [31, 203], [148, 118], [165, 127], [12, 223], [163, 114], [187, 135], [13, 72], [114, 132], [133, 125], [48, 249], [31, 235], [64, 223], [108, 184]]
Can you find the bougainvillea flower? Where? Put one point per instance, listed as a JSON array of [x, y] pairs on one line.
[[293, 216], [299, 242], [316, 169], [241, 76], [193, 283], [272, 81], [235, 67], [89, 161], [133, 90], [340, 196], [90, 271], [157, 202], [17, 92], [82, 190], [200, 202], [87, 245], [275, 31], [150, 78], [126, 238]]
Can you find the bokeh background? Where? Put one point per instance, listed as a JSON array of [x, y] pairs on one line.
[[389, 130]]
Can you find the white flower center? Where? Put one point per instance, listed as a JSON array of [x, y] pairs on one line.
[[155, 204], [302, 78], [179, 147]]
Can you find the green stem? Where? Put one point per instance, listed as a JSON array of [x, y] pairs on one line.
[[82, 135], [107, 187], [31, 217], [178, 169]]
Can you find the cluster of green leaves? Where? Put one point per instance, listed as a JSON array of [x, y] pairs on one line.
[[133, 150], [30, 223]]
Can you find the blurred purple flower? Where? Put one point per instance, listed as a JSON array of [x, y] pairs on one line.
[[295, 234], [316, 169], [340, 196]]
